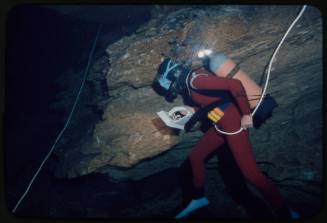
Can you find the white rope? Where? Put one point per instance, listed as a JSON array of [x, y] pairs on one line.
[[268, 73], [69, 118]]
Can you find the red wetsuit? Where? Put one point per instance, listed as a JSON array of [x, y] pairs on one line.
[[239, 144]]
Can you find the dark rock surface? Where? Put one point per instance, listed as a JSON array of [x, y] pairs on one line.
[[249, 35], [122, 170]]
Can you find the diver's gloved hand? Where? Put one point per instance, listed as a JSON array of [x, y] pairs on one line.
[[190, 125]]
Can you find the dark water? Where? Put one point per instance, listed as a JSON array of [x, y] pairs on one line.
[[41, 45]]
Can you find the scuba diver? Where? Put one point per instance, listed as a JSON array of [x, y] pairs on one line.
[[224, 102]]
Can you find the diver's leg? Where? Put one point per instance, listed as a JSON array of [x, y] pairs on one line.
[[203, 148], [236, 184], [195, 166], [242, 151], [243, 154], [186, 181]]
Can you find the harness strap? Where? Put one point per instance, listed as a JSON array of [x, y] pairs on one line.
[[232, 73], [202, 112]]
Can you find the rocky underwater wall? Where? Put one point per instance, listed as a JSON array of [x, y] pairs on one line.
[[127, 142]]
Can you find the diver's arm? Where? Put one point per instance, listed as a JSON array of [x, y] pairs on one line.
[[234, 86]]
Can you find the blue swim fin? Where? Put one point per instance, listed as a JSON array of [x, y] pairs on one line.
[[192, 206]]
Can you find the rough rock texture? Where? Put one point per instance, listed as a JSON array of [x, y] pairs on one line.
[[129, 132], [127, 143]]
